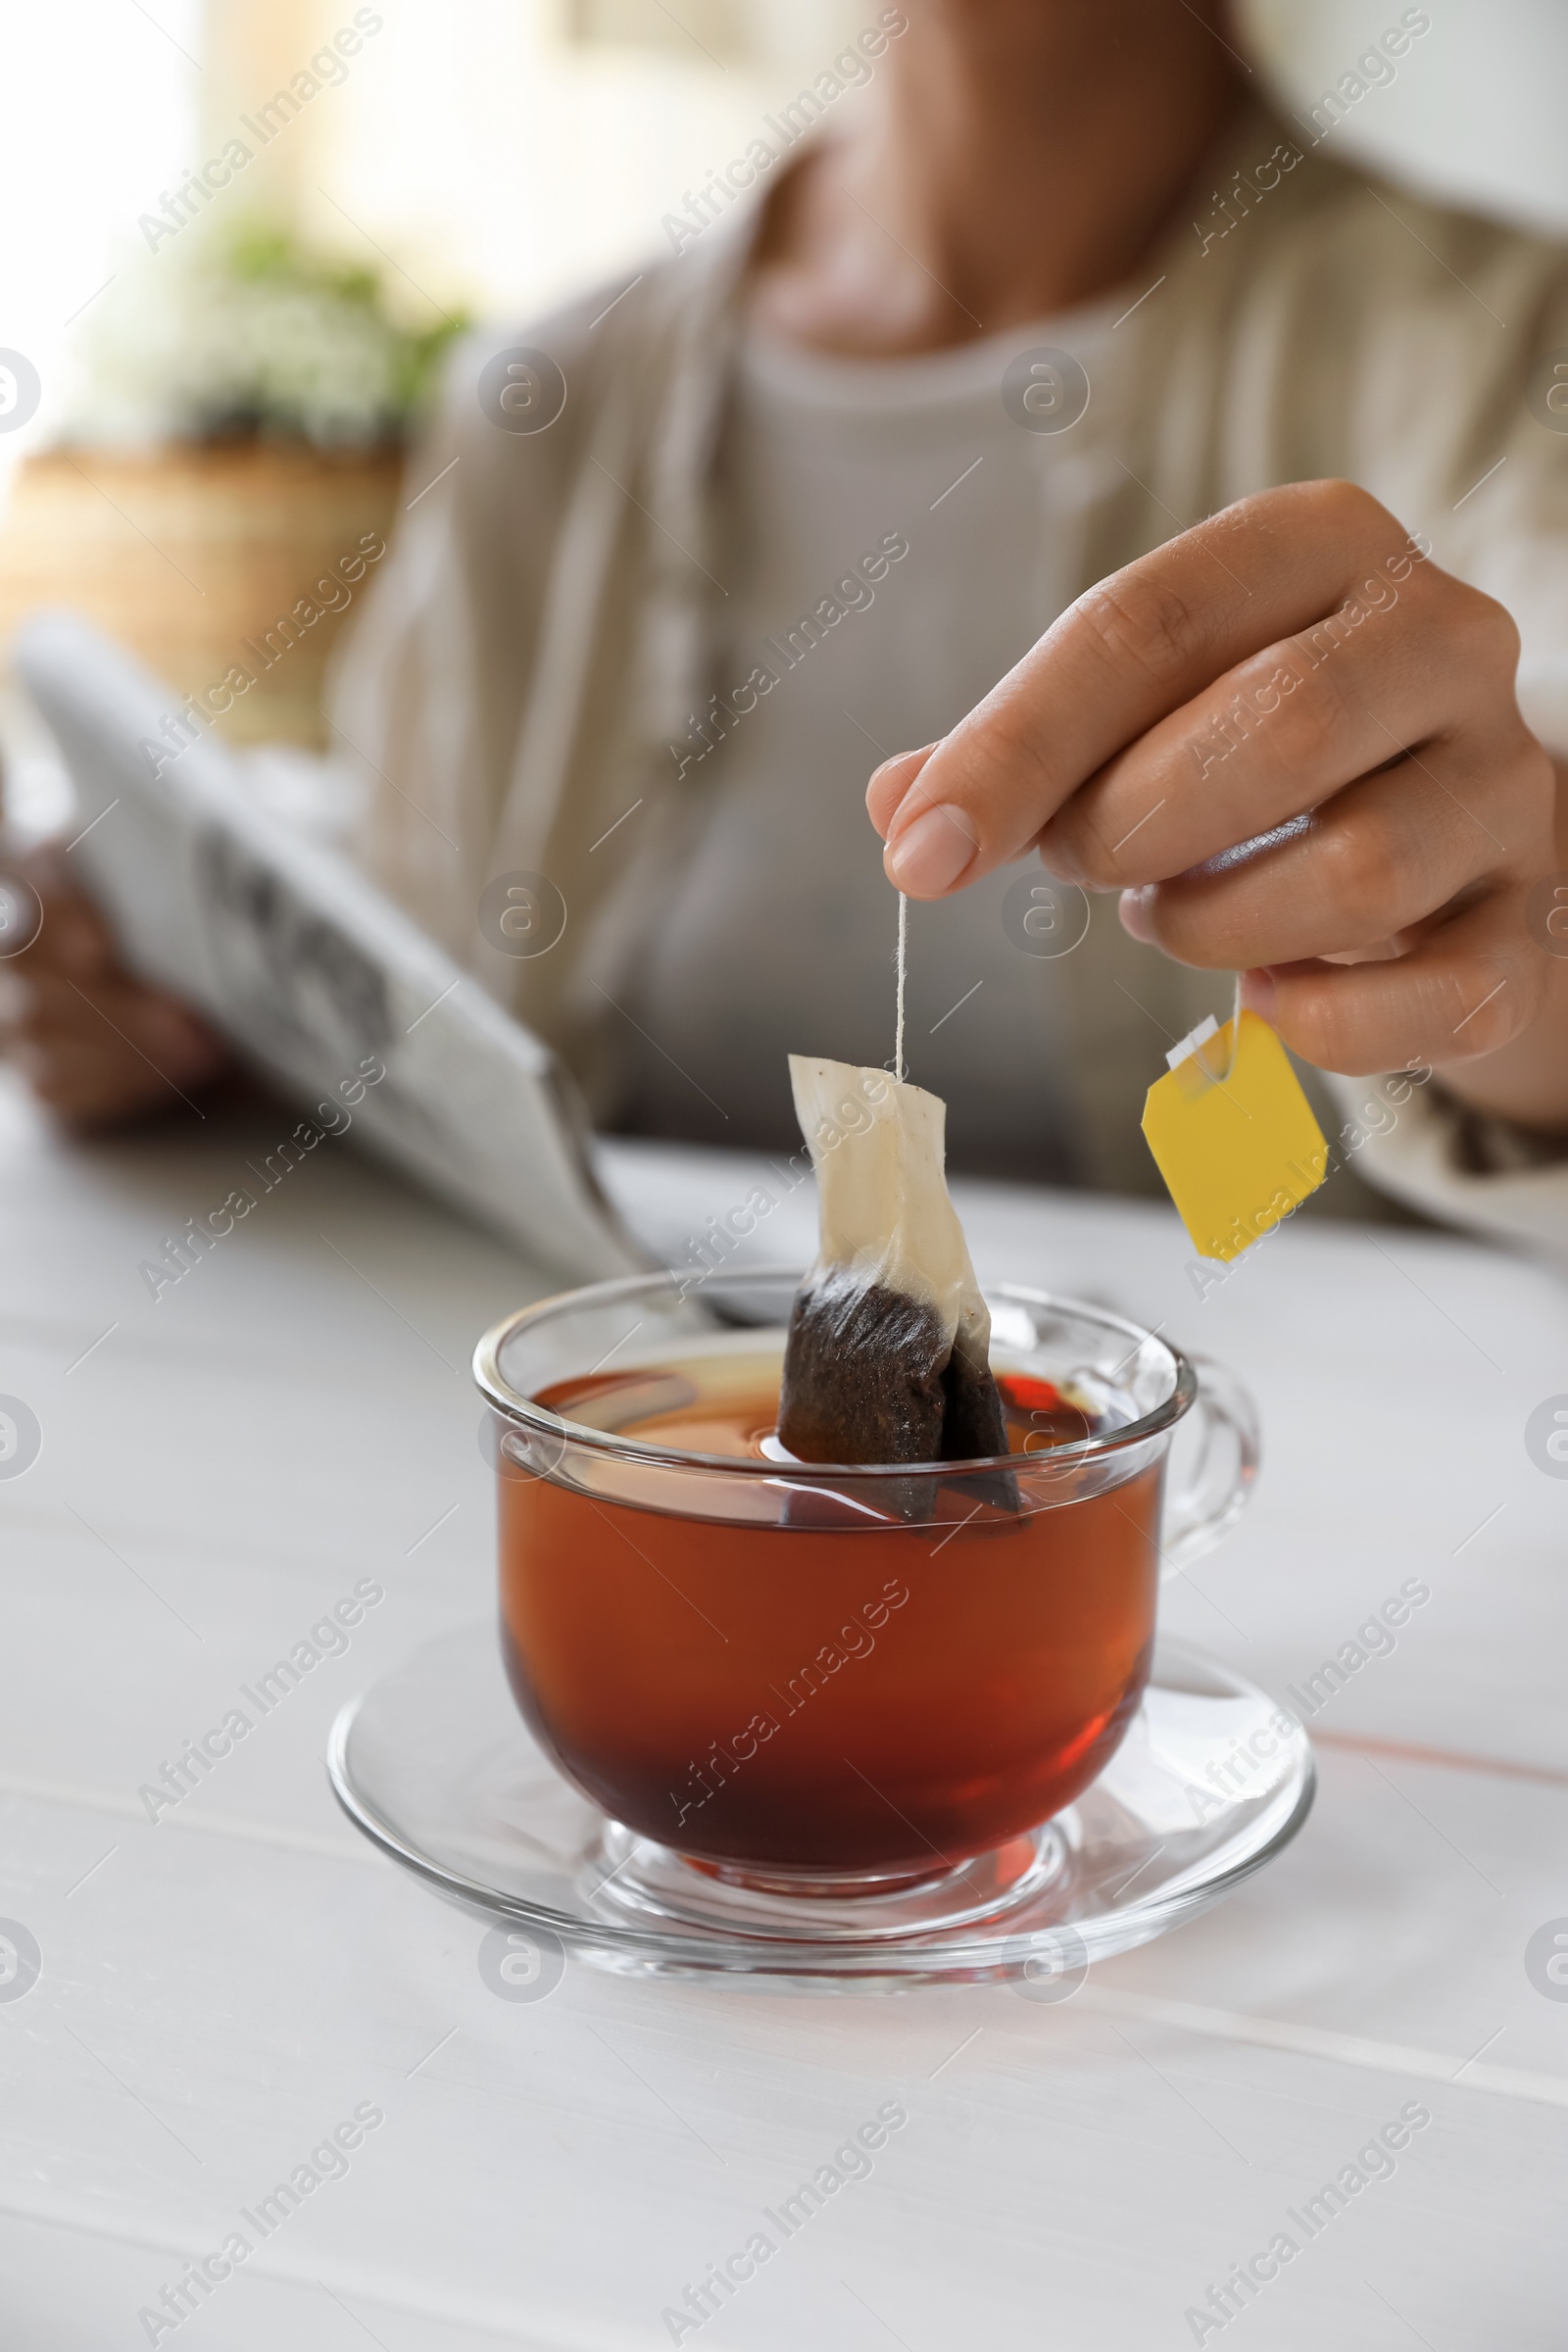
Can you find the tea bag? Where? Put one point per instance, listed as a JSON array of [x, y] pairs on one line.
[[887, 1354]]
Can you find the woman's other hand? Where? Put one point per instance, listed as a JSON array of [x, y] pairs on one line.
[[95, 1045]]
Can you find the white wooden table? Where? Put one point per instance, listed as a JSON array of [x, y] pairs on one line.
[[224, 1986]]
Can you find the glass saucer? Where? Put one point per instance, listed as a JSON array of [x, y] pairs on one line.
[[434, 1764]]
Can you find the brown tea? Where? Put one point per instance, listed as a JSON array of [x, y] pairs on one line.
[[810, 1682]]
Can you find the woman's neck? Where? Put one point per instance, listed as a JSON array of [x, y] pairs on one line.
[[1014, 158]]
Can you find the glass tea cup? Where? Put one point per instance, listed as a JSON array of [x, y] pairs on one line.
[[821, 1681]]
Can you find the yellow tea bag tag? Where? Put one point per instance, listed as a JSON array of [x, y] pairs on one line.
[[1233, 1135]]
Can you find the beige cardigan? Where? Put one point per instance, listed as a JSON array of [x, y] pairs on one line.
[[542, 632]]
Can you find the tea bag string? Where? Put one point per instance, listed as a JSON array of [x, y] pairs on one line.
[[1236, 1030], [903, 962]]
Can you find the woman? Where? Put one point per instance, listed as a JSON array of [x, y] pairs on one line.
[[1060, 290]]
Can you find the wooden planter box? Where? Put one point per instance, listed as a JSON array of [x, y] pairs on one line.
[[192, 556]]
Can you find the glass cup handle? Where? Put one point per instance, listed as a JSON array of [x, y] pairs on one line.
[[1200, 1512]]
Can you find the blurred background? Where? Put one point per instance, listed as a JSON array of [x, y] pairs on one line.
[[225, 382]]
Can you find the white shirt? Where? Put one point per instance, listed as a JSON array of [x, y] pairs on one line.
[[780, 933]]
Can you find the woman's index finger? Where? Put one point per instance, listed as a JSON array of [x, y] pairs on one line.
[[1128, 653]]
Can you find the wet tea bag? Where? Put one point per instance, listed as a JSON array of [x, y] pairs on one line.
[[887, 1356], [1233, 1133]]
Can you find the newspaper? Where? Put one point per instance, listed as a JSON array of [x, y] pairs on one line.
[[306, 966]]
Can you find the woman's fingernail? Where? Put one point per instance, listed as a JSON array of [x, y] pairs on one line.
[[1259, 992], [891, 785], [1133, 915], [931, 853]]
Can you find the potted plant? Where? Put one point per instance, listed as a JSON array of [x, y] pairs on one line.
[[230, 469]]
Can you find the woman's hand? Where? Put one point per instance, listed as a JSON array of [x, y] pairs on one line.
[[95, 1045], [1293, 744]]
